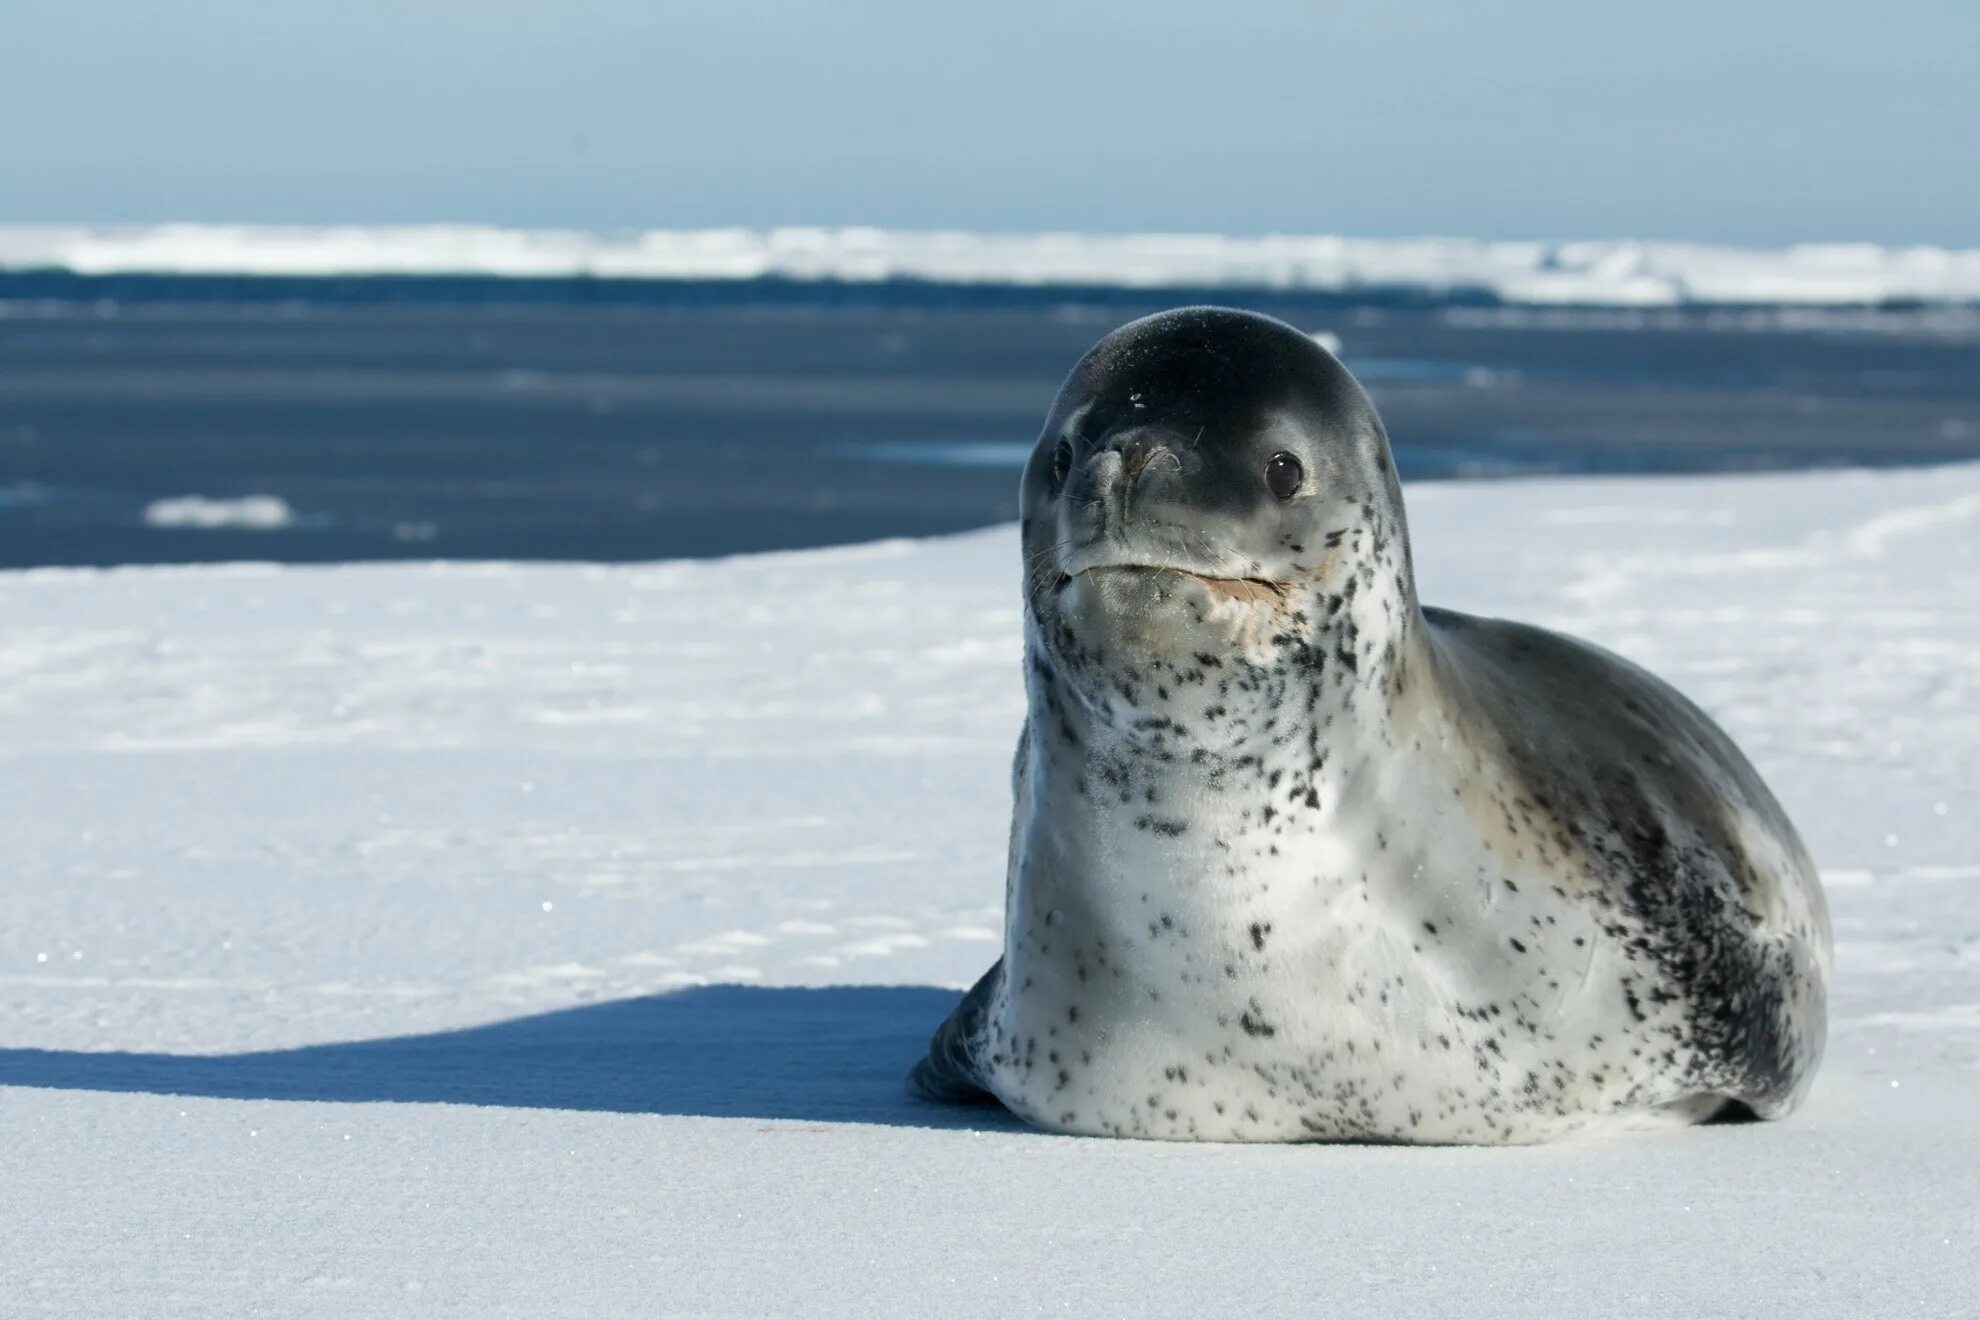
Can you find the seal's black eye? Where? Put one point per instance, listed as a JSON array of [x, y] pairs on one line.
[[1061, 462], [1283, 475]]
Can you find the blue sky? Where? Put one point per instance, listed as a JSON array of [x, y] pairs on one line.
[[1755, 121]]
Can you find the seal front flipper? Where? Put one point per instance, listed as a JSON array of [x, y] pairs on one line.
[[949, 1073]]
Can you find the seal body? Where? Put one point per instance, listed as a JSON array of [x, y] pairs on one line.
[[1293, 858]]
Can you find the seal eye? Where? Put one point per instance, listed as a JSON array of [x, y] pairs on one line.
[[1061, 462], [1283, 475]]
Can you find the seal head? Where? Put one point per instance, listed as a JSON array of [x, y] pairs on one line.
[[1194, 462]]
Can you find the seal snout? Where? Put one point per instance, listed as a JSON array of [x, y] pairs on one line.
[[1140, 451], [1133, 463]]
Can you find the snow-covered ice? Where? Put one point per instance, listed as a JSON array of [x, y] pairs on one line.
[[552, 940], [1607, 272]]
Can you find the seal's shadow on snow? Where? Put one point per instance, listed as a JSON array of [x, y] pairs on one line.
[[834, 1055]]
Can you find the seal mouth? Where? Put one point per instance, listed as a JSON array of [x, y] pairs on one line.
[[1253, 589]]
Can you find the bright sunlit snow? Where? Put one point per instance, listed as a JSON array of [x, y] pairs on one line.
[[1592, 273], [496, 940]]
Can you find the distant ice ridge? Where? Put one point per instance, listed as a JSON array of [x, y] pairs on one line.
[[1597, 273], [254, 513]]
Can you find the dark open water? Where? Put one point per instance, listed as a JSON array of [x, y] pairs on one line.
[[478, 418]]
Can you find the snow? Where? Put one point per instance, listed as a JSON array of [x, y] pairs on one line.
[[497, 940], [1614, 272], [256, 513]]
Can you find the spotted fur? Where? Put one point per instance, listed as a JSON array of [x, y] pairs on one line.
[[1298, 859]]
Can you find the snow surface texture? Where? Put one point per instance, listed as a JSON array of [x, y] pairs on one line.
[[501, 940], [1600, 273]]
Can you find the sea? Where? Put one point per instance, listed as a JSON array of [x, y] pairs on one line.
[[188, 418]]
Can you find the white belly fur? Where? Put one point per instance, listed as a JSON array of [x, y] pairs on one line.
[[1361, 982]]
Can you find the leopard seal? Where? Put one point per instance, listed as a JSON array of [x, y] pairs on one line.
[[1294, 857]]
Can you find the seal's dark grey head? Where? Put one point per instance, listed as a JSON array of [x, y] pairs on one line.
[[1200, 468]]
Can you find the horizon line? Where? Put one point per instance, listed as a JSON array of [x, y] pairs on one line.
[[1615, 272]]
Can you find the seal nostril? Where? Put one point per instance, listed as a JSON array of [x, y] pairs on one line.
[[1138, 453]]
